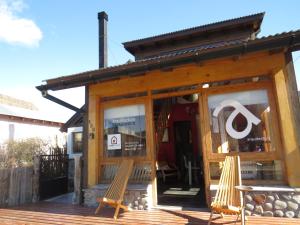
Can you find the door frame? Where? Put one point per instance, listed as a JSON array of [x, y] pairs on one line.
[[199, 92]]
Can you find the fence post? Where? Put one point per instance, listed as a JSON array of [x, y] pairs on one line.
[[36, 179], [77, 179]]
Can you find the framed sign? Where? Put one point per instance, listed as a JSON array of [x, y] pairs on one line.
[[113, 141]]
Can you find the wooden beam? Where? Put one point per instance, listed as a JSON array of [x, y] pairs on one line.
[[212, 71], [23, 120], [93, 150], [289, 119]]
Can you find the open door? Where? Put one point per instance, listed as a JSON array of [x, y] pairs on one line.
[[180, 180]]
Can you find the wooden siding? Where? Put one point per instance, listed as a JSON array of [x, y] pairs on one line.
[[16, 186]]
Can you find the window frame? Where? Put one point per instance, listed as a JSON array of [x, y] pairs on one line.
[[120, 103], [245, 156]]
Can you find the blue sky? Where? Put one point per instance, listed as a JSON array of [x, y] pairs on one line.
[[59, 37]]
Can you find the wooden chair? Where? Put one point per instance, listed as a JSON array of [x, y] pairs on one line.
[[115, 193], [228, 199], [166, 170]]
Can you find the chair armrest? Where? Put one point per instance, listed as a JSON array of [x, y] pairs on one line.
[[244, 188]]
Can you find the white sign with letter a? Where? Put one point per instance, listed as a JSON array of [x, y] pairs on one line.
[[239, 108]]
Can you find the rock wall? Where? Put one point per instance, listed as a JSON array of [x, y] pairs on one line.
[[271, 201], [137, 196], [279, 204]]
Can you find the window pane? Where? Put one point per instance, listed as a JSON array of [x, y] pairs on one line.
[[240, 122], [124, 131], [251, 170], [77, 142]]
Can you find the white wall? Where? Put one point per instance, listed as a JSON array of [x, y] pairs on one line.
[[23, 131], [70, 141]]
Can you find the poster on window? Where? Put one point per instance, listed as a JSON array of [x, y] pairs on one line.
[[113, 141]]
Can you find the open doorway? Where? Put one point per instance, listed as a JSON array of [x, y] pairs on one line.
[[180, 175]]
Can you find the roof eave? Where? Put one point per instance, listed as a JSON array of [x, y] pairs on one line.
[[292, 42]]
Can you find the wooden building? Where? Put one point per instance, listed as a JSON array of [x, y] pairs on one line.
[[190, 98]]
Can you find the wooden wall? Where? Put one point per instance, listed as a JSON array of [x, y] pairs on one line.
[[243, 66], [16, 186]]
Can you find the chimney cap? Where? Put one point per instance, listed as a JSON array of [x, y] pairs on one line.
[[102, 15]]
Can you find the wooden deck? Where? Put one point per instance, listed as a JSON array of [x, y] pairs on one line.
[[55, 213]]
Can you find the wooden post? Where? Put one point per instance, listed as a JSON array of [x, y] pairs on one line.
[[4, 186], [85, 152], [36, 179], [289, 112], [77, 180]]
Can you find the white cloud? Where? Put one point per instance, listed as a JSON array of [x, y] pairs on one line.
[[17, 30]]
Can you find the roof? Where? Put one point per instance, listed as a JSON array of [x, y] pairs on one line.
[[75, 121], [252, 22], [289, 40], [8, 100], [17, 110]]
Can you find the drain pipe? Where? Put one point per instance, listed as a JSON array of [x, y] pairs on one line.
[[102, 19], [46, 95]]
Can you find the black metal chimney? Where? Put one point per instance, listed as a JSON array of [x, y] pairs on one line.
[[102, 19]]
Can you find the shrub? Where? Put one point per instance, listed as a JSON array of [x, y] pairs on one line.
[[22, 152]]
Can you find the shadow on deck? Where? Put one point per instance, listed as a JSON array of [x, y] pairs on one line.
[[57, 213]]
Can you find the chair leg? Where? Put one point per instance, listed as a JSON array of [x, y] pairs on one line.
[[243, 217], [222, 215], [164, 177], [117, 211], [237, 218], [210, 218], [98, 208]]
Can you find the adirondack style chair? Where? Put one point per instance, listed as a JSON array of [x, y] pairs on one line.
[[229, 199], [115, 193]]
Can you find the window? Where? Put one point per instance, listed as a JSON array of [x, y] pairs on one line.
[[77, 142], [240, 122], [124, 131], [252, 170]]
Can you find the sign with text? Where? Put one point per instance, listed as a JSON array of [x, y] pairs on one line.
[[113, 141]]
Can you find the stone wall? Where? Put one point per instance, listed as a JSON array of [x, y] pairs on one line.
[[271, 201], [279, 204], [137, 196]]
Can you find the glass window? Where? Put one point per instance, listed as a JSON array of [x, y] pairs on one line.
[[240, 122], [77, 142], [252, 170], [124, 131]]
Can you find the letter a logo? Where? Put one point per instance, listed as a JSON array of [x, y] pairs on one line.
[[239, 108]]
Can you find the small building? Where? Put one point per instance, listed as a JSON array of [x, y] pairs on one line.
[[21, 119], [190, 98]]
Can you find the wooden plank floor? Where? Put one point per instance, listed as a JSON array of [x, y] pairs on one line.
[[56, 213]]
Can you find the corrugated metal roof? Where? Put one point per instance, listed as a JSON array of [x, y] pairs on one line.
[[14, 111], [203, 28], [281, 40]]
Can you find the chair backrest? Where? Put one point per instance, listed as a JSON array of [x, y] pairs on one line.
[[227, 195], [185, 162], [117, 188]]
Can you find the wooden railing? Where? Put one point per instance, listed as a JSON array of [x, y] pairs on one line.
[[141, 173]]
